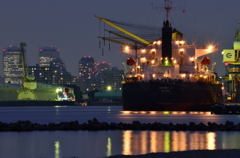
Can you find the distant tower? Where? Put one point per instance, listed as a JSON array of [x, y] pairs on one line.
[[86, 73], [12, 65], [47, 55]]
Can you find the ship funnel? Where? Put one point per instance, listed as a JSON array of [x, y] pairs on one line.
[[167, 31]]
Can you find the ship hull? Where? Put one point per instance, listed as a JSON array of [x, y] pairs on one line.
[[171, 95]]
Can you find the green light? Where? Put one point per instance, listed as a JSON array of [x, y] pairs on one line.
[[57, 149], [109, 147], [167, 142], [166, 62]]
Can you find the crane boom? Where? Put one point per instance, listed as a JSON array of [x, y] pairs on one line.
[[125, 37], [113, 40], [123, 30]]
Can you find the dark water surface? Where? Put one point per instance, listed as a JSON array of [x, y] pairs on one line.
[[104, 113], [84, 144]]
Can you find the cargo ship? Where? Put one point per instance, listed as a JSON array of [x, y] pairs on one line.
[[167, 74]]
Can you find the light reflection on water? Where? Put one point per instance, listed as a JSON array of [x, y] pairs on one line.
[[84, 144], [152, 141]]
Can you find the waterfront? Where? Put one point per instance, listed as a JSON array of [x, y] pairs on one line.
[[106, 114], [84, 144]]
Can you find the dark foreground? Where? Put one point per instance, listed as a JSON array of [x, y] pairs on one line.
[[189, 154], [94, 125]]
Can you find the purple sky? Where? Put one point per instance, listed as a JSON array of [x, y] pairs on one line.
[[70, 24]]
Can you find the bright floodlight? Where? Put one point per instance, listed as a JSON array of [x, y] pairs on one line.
[[109, 88]]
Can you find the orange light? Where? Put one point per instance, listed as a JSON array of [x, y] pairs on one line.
[[143, 51], [191, 59], [154, 76], [183, 75], [152, 61], [126, 48], [159, 43], [143, 60], [182, 42]]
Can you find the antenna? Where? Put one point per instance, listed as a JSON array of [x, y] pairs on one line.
[[167, 7]]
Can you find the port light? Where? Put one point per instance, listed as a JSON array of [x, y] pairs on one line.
[[143, 51], [126, 49], [229, 98], [153, 61], [109, 88], [181, 50], [58, 90], [191, 59], [153, 50], [174, 61], [143, 60]]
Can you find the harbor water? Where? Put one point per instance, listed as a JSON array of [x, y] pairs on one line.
[[97, 144]]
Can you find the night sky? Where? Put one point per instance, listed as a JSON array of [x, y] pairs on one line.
[[71, 26]]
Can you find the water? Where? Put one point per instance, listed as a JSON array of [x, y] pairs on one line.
[[87, 144], [84, 144], [105, 113]]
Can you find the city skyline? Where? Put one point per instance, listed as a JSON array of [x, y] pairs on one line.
[[71, 26]]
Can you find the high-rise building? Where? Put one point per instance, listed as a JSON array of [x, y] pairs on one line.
[[47, 55], [86, 73], [12, 65], [51, 69], [108, 77]]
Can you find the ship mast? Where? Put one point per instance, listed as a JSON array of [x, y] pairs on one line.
[[168, 8]]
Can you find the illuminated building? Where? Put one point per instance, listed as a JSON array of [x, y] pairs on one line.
[[12, 67], [108, 76], [86, 73], [47, 55], [51, 69]]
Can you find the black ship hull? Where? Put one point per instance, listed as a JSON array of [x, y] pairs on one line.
[[171, 95]]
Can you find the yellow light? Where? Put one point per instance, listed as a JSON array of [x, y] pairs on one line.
[[190, 75], [191, 59], [183, 75], [143, 60], [175, 61], [109, 88], [126, 112], [229, 98], [182, 42], [177, 42], [159, 43], [181, 50], [205, 77], [153, 50], [155, 42]]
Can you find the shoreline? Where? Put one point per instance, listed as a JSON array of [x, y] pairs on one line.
[[231, 153], [95, 125]]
